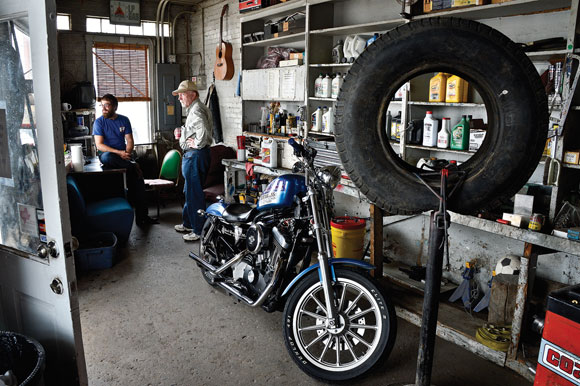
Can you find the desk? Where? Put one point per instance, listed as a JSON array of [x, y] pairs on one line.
[[98, 184]]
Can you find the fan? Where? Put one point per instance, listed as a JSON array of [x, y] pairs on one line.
[[405, 3]]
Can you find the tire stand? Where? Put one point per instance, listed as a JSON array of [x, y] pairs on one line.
[[440, 221]]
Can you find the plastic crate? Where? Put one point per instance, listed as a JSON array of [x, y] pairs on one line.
[[97, 251]]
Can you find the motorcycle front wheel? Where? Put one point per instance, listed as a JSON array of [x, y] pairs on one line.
[[364, 338]]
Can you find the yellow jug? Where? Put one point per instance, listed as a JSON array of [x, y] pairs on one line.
[[456, 90], [437, 86]]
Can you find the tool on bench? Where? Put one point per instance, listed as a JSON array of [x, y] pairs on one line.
[[467, 290]]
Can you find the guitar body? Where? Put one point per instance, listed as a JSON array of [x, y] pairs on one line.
[[224, 64]]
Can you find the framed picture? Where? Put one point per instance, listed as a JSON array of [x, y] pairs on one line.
[[125, 12]]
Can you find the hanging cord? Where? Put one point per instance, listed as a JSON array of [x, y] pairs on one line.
[[444, 172]]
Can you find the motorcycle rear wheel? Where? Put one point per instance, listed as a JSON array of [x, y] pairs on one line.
[[365, 341]]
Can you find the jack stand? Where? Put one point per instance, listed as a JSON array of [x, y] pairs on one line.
[[437, 241]]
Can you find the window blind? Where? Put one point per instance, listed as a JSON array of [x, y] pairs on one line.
[[121, 70]]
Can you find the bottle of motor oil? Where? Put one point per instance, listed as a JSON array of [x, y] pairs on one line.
[[388, 120], [326, 87], [328, 121], [372, 39], [456, 90], [460, 135], [337, 52], [430, 129], [317, 120], [437, 87], [336, 85], [318, 86], [443, 136], [396, 127]]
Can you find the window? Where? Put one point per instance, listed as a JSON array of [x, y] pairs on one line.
[[63, 22], [122, 70], [102, 25]]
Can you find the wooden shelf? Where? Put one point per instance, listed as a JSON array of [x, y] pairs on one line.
[[510, 8], [424, 103], [294, 38], [322, 99], [275, 136], [278, 10], [378, 26], [535, 238], [439, 149], [330, 65]]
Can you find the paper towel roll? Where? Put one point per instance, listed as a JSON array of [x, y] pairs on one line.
[[78, 161], [241, 154]]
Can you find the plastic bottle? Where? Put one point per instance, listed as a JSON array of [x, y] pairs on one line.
[[326, 87], [317, 120], [338, 52], [443, 136], [388, 120], [328, 121], [430, 128], [336, 85], [437, 87], [372, 39], [396, 127], [460, 135], [269, 153], [318, 86], [456, 90]]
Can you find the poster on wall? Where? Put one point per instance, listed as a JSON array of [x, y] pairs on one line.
[[125, 12]]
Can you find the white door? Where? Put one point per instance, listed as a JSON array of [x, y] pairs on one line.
[[38, 295]]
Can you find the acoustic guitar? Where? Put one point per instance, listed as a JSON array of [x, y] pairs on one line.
[[224, 65]]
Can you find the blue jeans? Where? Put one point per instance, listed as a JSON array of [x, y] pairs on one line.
[[135, 183], [194, 168]]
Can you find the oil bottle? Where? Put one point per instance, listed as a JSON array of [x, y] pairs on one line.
[[456, 90], [437, 87], [430, 129], [460, 135]]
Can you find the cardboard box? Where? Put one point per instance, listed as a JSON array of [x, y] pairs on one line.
[[463, 3], [294, 25], [297, 55], [249, 5], [435, 5], [571, 157], [476, 138], [290, 62]]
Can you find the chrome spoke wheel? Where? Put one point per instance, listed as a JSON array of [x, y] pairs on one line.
[[358, 334]]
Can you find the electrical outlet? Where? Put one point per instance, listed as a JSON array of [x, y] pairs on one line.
[[172, 59]]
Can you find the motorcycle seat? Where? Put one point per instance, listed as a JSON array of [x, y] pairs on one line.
[[239, 213]]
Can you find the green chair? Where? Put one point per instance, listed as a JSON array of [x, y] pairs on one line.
[[168, 175]]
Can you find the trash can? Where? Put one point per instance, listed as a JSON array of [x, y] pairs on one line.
[[348, 237], [24, 357], [559, 357]]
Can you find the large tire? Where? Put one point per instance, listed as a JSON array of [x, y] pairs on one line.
[[506, 79], [369, 332]]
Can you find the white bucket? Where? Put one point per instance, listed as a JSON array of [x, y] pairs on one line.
[[78, 160]]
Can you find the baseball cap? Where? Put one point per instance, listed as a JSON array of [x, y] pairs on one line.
[[186, 85]]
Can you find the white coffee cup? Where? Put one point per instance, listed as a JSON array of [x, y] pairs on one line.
[[66, 106]]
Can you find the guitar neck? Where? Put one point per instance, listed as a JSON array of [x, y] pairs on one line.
[[224, 9]]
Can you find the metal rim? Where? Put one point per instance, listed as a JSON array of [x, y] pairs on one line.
[[347, 347]]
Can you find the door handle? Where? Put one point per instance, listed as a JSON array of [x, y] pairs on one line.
[[56, 286]]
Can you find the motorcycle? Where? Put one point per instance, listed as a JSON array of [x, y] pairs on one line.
[[338, 324]]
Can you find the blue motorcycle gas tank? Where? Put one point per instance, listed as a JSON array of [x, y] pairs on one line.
[[280, 192]]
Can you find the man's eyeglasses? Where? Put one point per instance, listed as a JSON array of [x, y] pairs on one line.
[[106, 105]]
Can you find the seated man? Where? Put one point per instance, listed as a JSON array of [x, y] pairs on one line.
[[114, 140]]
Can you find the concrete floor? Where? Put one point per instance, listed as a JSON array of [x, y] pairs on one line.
[[153, 320]]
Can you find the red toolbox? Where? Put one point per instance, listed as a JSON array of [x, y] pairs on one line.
[[559, 358]]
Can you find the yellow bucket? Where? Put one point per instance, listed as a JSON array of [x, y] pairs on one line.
[[348, 237]]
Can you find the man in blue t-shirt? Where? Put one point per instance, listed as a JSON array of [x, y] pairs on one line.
[[114, 140]]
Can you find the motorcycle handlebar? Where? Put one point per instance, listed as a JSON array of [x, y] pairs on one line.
[[299, 150]]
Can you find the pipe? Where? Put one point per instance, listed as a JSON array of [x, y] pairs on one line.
[[173, 28], [160, 14]]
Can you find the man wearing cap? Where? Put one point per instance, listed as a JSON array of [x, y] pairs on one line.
[[195, 138], [114, 141]]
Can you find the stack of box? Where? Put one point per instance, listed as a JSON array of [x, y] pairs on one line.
[[437, 5]]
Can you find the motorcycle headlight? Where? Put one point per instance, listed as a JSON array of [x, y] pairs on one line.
[[329, 175]]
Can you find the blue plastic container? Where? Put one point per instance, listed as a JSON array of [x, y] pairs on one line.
[[96, 251]]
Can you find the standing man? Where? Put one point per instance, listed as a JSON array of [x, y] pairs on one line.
[[195, 137], [114, 140]]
